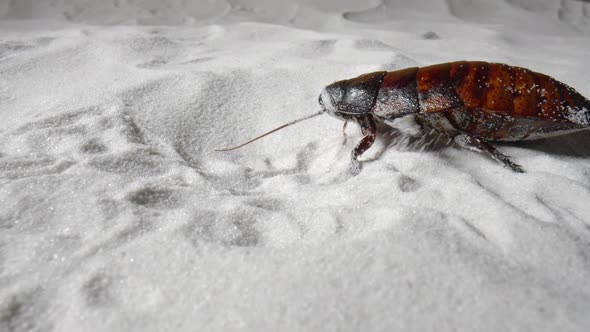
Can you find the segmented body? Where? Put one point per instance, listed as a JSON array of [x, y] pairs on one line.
[[488, 100]]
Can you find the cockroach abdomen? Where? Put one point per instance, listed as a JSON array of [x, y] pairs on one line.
[[436, 91]]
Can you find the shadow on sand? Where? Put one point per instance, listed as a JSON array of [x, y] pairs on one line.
[[572, 145]]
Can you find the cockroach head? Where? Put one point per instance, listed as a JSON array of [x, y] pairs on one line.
[[348, 98], [326, 100]]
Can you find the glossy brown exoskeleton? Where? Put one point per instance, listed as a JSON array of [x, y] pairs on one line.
[[473, 102]]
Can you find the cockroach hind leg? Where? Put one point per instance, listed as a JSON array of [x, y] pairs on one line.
[[481, 145]]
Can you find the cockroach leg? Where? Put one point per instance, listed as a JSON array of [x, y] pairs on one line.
[[369, 130], [344, 133], [478, 144]]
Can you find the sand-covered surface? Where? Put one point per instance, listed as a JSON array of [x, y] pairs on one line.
[[117, 215]]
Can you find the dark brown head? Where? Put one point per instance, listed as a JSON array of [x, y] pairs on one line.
[[348, 98]]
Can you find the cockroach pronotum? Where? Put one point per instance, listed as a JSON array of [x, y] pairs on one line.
[[471, 102]]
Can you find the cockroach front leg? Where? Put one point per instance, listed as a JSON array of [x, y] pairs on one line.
[[344, 132], [369, 130], [478, 144]]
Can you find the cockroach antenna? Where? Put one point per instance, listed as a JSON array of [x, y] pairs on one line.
[[272, 131]]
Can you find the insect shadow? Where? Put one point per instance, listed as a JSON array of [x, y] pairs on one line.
[[570, 145]]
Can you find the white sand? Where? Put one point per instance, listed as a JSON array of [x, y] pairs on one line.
[[116, 215]]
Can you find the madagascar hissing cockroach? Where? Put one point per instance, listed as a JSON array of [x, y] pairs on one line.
[[472, 102]]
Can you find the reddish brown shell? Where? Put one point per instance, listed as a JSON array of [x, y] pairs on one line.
[[490, 100], [495, 88]]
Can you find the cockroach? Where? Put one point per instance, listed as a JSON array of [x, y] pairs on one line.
[[472, 102]]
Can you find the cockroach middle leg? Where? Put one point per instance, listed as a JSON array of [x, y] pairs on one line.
[[369, 130], [478, 144]]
